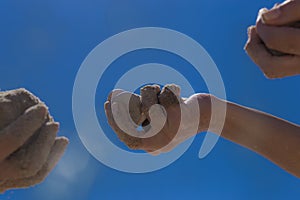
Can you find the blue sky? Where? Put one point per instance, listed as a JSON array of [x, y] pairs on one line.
[[43, 43]]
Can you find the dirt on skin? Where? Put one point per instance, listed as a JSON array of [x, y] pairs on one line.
[[139, 106], [26, 123]]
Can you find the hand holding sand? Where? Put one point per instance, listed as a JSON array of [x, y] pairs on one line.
[[160, 113], [29, 148]]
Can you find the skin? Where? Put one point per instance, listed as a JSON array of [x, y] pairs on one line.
[[274, 45], [29, 148], [278, 33], [169, 135], [274, 138]]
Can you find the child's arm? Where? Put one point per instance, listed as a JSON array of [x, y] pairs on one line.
[[272, 137]]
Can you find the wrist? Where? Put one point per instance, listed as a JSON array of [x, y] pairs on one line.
[[204, 102], [212, 113]]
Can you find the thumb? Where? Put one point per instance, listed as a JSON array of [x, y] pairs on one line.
[[283, 14]]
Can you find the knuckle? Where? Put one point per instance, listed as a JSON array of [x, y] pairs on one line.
[[149, 97], [22, 91], [169, 96]]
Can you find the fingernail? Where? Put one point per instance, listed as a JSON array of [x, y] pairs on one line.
[[271, 14]]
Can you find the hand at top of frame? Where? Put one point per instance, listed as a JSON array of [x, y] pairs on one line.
[[166, 118], [29, 148], [274, 42]]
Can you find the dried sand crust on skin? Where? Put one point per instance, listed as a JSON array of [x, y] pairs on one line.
[[25, 121], [135, 109], [52, 159], [29, 159], [149, 97], [151, 94], [140, 105], [13, 104], [14, 111], [19, 132]]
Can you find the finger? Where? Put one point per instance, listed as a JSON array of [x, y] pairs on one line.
[[128, 116], [170, 95], [114, 93], [17, 133], [123, 125], [135, 110], [169, 98], [283, 39], [256, 49], [13, 103], [149, 97], [283, 14], [28, 160], [122, 118], [149, 144], [130, 141], [134, 104], [272, 66], [56, 152]]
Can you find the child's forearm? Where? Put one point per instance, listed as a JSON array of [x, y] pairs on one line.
[[272, 137]]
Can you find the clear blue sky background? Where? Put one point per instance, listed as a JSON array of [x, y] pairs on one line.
[[43, 43]]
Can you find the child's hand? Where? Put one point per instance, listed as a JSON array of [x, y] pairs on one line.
[[169, 121]]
